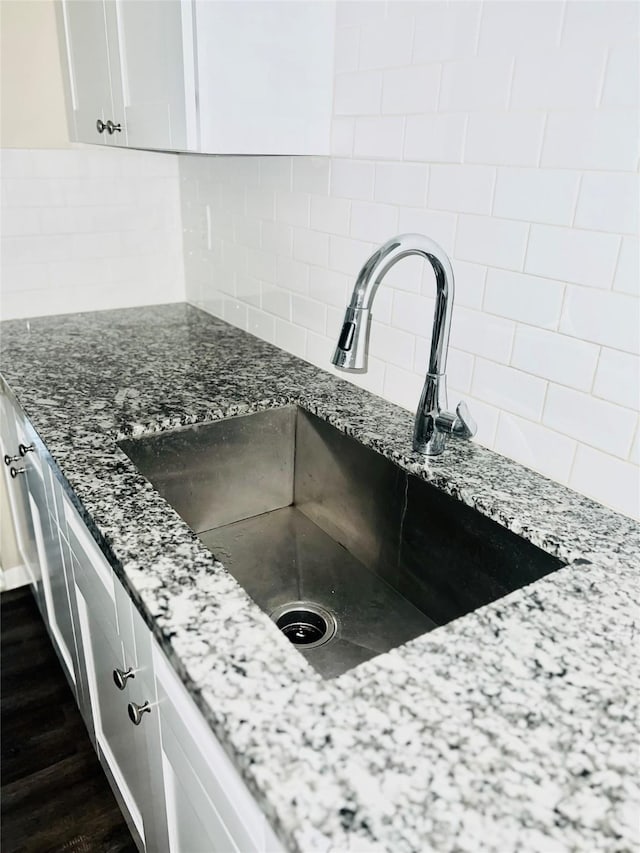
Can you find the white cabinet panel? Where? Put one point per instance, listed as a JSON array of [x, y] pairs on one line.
[[89, 65], [153, 79], [12, 434], [265, 76], [197, 770]]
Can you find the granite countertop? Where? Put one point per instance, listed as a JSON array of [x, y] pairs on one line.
[[512, 728]]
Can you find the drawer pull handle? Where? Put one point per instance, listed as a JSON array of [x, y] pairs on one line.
[[100, 126], [113, 128], [136, 712], [15, 471], [8, 460], [120, 677], [23, 449]]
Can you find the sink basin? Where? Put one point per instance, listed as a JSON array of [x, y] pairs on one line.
[[348, 553]]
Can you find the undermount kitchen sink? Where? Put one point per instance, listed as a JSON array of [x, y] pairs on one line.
[[349, 554]]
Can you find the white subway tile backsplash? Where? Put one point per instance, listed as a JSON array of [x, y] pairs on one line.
[[260, 324], [261, 264], [595, 422], [469, 284], [560, 79], [410, 90], [519, 28], [476, 84], [391, 345], [358, 93], [594, 139], [557, 357], [346, 49], [437, 225], [293, 208], [490, 241], [373, 221], [481, 334], [509, 139], [402, 387], [608, 480], [308, 313], [411, 312], [277, 237], [536, 195], [627, 277], [386, 43], [328, 286], [600, 21], [310, 174], [310, 247], [20, 221], [609, 202], [610, 319], [352, 179], [330, 214], [347, 255], [535, 446], [379, 138], [461, 189], [291, 338], [509, 389], [622, 79], [437, 138], [292, 274], [581, 257], [401, 184], [275, 172], [526, 298], [342, 134], [445, 30], [276, 300], [618, 378]]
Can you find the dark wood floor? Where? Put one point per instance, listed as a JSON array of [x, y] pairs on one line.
[[55, 797]]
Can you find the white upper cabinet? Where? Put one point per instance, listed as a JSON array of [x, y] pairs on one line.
[[208, 76], [91, 96], [265, 72]]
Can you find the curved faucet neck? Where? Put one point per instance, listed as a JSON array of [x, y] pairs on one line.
[[388, 255]]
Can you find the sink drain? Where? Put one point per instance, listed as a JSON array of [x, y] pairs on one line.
[[305, 624]]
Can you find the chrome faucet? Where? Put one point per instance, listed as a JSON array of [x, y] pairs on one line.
[[432, 425]]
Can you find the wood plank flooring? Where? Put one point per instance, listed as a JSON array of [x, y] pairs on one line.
[[54, 795]]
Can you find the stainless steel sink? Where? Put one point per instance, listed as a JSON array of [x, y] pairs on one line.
[[349, 554]]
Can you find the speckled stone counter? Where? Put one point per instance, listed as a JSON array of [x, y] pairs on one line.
[[511, 729]]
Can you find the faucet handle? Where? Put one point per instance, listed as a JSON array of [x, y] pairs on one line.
[[464, 425]]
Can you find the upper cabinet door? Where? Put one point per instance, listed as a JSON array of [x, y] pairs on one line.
[[265, 76], [155, 41], [89, 61]]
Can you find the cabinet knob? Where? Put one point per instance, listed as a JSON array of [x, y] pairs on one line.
[[9, 459], [15, 471], [101, 126], [120, 677], [112, 128], [23, 449], [136, 712]]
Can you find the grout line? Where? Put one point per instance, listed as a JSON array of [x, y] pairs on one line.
[[595, 372], [603, 78], [543, 138]]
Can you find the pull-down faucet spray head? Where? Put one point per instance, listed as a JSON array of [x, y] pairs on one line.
[[432, 424]]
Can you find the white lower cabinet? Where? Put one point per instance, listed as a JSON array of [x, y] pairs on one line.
[[176, 786], [209, 809]]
